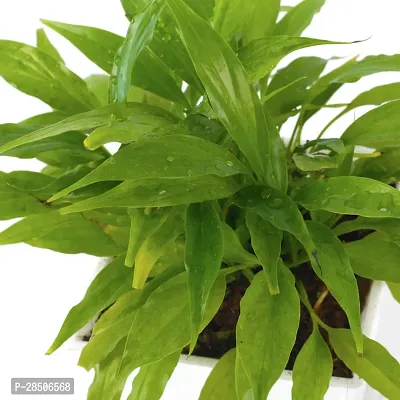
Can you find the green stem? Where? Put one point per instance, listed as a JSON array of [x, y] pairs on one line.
[[248, 273], [304, 299]]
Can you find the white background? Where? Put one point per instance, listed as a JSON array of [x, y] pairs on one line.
[[37, 287]]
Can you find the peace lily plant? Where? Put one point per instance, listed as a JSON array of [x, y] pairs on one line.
[[203, 195]]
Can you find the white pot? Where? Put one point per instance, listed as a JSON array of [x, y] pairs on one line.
[[192, 371]]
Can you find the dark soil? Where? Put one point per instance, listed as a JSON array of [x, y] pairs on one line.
[[219, 336]]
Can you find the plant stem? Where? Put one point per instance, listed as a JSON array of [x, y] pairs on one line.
[[304, 299], [248, 273], [320, 300]]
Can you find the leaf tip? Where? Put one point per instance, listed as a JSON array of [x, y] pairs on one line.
[[273, 291]]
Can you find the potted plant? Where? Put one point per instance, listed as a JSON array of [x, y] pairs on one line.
[[203, 211]]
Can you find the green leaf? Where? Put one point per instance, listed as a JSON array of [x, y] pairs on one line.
[[70, 234], [136, 127], [115, 323], [150, 382], [377, 367], [377, 128], [233, 249], [294, 95], [109, 216], [35, 73], [110, 283], [232, 97], [298, 18], [261, 19], [335, 270], [98, 85], [261, 56], [14, 203], [44, 119], [243, 387], [140, 34], [228, 17], [104, 373], [82, 122], [312, 370], [220, 384], [141, 225], [350, 195], [314, 162], [277, 91], [150, 72], [253, 20], [390, 226], [395, 290], [155, 245], [376, 96], [28, 181], [266, 330], [43, 43], [375, 259], [160, 193], [266, 242], [146, 343], [65, 150], [384, 168], [203, 257], [349, 72], [176, 156], [278, 209]]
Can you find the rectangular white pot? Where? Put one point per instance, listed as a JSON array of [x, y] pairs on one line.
[[192, 371]]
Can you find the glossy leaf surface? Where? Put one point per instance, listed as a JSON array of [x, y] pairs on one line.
[[312, 370], [136, 127], [377, 367], [140, 34], [266, 242], [150, 72], [142, 346], [111, 282], [298, 18], [70, 234], [220, 384], [375, 259], [155, 245], [160, 193], [335, 270], [170, 157], [79, 122], [277, 208], [233, 249], [266, 330], [261, 56], [231, 96], [351, 195], [14, 203], [150, 382], [115, 323], [376, 129], [36, 73], [43, 43], [203, 257]]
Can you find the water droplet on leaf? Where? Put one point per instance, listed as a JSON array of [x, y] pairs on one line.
[[112, 160], [170, 159], [276, 203]]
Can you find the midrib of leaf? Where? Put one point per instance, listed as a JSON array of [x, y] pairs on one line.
[[377, 372], [160, 326]]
